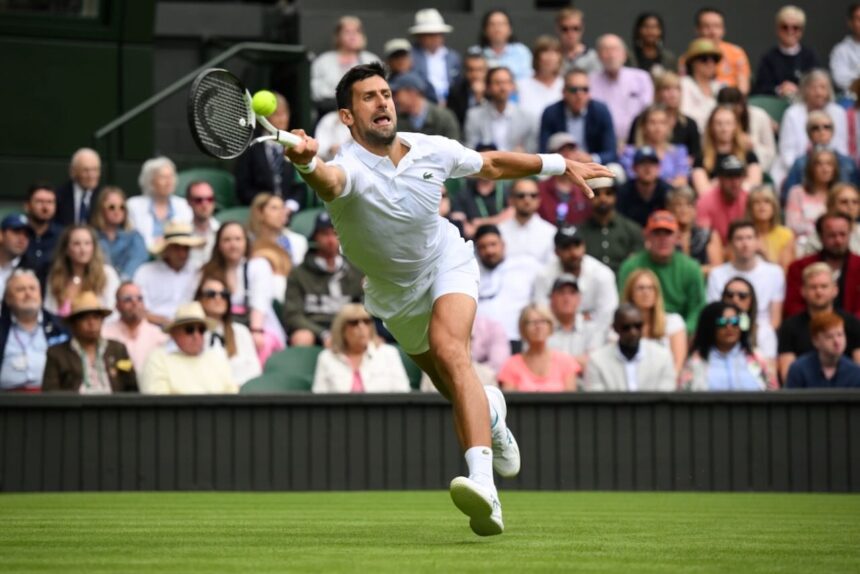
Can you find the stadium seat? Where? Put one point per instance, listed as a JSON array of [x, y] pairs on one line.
[[775, 107], [221, 181], [269, 383], [303, 221], [295, 366], [413, 371], [239, 214]]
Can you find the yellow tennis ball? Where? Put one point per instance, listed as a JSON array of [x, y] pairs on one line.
[[264, 103]]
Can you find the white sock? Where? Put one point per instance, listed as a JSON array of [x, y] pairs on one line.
[[480, 462]]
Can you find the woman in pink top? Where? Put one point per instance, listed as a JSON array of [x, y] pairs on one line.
[[807, 201], [538, 368]]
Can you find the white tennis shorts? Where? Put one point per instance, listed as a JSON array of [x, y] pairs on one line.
[[409, 309]]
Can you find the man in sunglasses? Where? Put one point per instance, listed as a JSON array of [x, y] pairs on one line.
[[526, 233], [780, 69], [609, 236], [192, 368], [570, 28], [633, 363], [132, 328], [201, 198]]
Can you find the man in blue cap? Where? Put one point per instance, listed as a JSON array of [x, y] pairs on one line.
[[416, 114], [642, 195], [14, 240]]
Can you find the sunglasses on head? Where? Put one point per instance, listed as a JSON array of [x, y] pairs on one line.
[[726, 321], [742, 295], [631, 326], [191, 329], [355, 322], [212, 294], [199, 200], [576, 89], [524, 195]]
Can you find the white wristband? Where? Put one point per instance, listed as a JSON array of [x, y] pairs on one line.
[[308, 167], [553, 164]]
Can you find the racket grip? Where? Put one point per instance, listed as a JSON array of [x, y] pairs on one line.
[[287, 139]]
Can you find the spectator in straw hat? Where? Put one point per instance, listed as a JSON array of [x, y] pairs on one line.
[[89, 363], [192, 369], [700, 86], [436, 63], [170, 280]]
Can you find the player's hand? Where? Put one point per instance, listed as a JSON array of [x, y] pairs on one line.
[[303, 152], [578, 172]]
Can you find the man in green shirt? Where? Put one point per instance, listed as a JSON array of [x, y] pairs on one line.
[[680, 276], [609, 236]]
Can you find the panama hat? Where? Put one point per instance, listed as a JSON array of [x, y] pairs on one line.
[[190, 314], [430, 21], [87, 302], [702, 47], [177, 233]]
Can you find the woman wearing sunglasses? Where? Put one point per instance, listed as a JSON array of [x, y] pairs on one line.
[[356, 363], [234, 339], [699, 87], [123, 247], [722, 357]]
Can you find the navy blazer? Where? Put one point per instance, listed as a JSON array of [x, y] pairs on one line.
[[65, 214], [452, 61], [599, 131], [254, 175], [55, 330]]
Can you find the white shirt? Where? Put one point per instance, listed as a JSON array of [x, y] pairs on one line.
[[298, 246], [140, 215], [6, 272], [437, 72], [245, 364], [582, 339], [199, 256], [768, 282], [330, 133], [381, 371], [163, 288], [694, 102], [500, 126], [536, 238], [260, 293], [388, 218], [845, 62], [505, 290], [597, 289], [535, 96], [630, 367]]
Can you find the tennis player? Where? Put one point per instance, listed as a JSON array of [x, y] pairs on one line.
[[383, 193]]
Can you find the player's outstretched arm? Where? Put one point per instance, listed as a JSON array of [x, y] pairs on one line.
[[512, 165], [326, 180]]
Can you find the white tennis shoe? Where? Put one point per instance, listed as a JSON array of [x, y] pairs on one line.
[[480, 504], [506, 451]]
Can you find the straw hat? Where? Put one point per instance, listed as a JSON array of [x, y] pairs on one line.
[[430, 21], [87, 302], [702, 47], [190, 314], [177, 233]]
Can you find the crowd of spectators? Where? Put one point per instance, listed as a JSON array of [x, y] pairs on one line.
[[725, 255]]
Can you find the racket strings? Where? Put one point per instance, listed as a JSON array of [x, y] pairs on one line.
[[220, 116]]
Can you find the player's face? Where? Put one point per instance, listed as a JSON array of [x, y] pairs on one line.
[[372, 118]]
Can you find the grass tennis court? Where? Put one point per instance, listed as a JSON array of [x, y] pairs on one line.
[[422, 531]]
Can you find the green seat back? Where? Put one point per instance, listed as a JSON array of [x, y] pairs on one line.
[[303, 221], [239, 214], [413, 371], [295, 366], [222, 182], [774, 106], [269, 383]]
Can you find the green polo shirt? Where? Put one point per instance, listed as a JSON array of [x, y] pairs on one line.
[[681, 280], [612, 243]]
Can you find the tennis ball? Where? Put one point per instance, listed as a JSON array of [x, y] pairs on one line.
[[264, 103]]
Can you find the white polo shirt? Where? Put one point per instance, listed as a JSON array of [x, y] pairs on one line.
[[163, 288], [388, 218], [505, 290], [536, 238]]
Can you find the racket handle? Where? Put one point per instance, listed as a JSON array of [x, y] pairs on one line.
[[287, 139]]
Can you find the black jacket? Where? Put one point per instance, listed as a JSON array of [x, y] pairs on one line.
[[66, 204], [254, 175]]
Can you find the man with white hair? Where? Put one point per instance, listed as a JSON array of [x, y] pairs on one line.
[[75, 197], [625, 91], [780, 69]]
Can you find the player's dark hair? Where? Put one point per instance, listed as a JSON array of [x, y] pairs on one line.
[[705, 338], [343, 92], [487, 229], [707, 10], [819, 223], [39, 186], [738, 224]]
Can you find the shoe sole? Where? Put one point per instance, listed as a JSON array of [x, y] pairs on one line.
[[476, 507]]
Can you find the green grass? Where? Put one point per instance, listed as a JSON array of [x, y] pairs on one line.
[[422, 531]]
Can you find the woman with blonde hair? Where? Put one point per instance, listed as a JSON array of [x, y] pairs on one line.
[[79, 266], [356, 363], [538, 368], [642, 289], [777, 240], [723, 137], [266, 221], [807, 201], [123, 247], [158, 204], [329, 67]]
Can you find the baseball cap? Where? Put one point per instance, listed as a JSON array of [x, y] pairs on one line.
[[396, 45], [730, 166], [323, 221], [645, 153], [16, 221], [408, 80], [661, 219], [559, 140], [564, 280], [567, 236]]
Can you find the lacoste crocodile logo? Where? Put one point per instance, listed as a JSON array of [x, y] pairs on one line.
[[428, 175]]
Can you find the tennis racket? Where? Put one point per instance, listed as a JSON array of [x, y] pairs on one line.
[[221, 117]]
